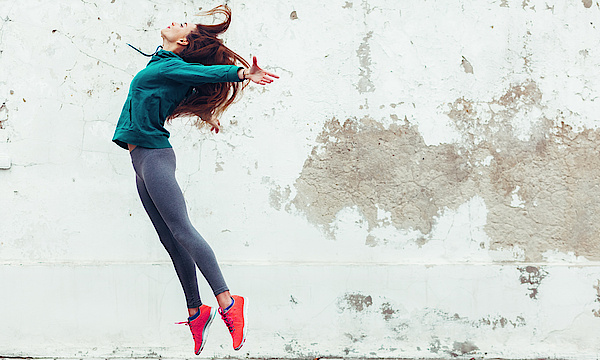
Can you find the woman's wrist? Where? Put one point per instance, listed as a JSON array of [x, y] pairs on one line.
[[242, 73]]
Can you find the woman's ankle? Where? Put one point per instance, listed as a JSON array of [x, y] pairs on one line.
[[224, 299], [193, 311]]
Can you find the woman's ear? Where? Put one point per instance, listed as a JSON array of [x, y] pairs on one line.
[[183, 42]]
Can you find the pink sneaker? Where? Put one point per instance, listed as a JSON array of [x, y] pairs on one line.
[[234, 317], [199, 326]]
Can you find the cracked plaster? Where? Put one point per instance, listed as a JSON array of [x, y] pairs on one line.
[[358, 162]]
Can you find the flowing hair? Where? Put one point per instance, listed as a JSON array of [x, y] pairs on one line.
[[209, 100]]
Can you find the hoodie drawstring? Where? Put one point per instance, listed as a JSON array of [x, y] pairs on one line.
[[148, 55]]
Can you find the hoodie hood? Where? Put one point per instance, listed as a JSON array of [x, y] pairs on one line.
[[163, 54]]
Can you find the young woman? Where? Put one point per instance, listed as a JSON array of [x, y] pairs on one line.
[[193, 75]]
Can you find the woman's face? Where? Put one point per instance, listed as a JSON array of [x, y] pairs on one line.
[[177, 31]]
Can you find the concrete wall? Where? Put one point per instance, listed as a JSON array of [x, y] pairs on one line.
[[423, 181]]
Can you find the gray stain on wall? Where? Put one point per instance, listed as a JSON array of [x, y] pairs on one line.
[[462, 348], [466, 65], [554, 172], [532, 276], [355, 302], [3, 115], [364, 58], [387, 311]]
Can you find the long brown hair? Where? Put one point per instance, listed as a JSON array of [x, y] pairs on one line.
[[205, 48]]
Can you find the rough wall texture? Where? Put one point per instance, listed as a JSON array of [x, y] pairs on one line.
[[542, 191], [422, 182]]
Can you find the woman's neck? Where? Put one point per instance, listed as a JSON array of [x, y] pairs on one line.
[[172, 47]]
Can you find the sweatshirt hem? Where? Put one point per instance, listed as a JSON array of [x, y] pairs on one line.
[[124, 137]]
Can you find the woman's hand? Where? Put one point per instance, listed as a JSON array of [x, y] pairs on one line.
[[258, 75]]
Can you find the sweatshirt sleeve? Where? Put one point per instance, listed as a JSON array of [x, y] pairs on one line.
[[198, 74]]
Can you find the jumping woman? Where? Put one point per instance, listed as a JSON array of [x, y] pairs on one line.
[[193, 75]]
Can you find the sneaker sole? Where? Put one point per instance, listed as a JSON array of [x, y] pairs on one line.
[[213, 313], [245, 325]]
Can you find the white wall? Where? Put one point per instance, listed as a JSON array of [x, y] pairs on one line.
[[423, 181]]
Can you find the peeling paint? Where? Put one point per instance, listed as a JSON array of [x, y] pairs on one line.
[[587, 3], [277, 196], [501, 322], [355, 302], [466, 65], [462, 348], [435, 346], [387, 311], [366, 165], [557, 171], [3, 115], [355, 338], [532, 276], [371, 241], [401, 325], [364, 58]]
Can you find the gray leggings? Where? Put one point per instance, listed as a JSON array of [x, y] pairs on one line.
[[164, 203]]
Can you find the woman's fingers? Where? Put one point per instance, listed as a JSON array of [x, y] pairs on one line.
[[271, 74], [262, 77]]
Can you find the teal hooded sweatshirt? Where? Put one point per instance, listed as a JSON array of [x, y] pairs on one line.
[[156, 91]]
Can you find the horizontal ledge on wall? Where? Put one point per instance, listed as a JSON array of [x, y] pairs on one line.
[[88, 263]]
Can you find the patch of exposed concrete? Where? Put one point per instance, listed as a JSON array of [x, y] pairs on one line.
[[402, 323], [3, 115], [501, 322], [532, 276], [361, 163], [541, 184], [387, 311], [525, 4], [462, 348], [466, 65], [355, 302], [355, 338], [364, 58], [277, 195]]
